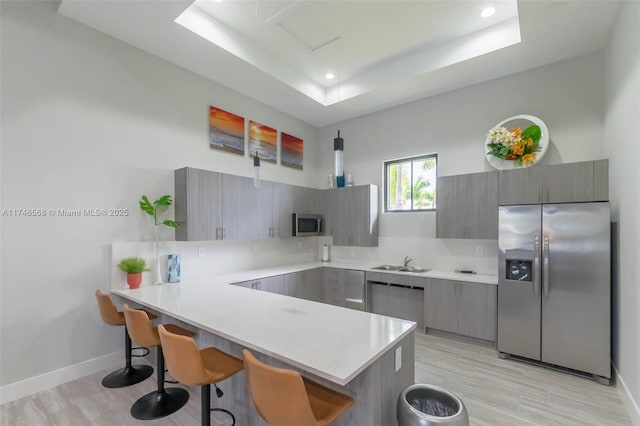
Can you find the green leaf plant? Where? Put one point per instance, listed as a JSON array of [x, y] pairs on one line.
[[158, 207], [154, 210]]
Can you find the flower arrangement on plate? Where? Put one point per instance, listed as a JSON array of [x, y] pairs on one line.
[[518, 141]]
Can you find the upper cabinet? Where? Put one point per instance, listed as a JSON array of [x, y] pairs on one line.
[[468, 206], [198, 203], [560, 183], [351, 215], [217, 206]]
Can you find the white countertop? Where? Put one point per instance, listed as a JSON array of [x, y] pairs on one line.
[[331, 342], [361, 266]]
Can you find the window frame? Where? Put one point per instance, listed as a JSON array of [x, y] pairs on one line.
[[411, 159]]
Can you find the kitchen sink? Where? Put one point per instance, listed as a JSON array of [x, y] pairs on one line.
[[413, 269], [388, 267], [401, 268]]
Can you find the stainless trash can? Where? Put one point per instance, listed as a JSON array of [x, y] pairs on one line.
[[425, 405]]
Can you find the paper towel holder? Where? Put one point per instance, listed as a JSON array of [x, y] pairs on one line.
[[325, 253]]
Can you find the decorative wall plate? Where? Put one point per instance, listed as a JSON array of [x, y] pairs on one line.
[[521, 121]]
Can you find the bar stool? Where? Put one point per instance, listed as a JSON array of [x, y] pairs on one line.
[[284, 398], [162, 402], [129, 375], [193, 367]]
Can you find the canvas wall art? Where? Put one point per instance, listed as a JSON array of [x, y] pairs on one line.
[[291, 151], [226, 131], [264, 140]]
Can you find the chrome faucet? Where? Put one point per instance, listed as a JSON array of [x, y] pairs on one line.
[[407, 261]]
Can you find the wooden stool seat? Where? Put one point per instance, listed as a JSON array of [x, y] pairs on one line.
[[283, 398], [161, 402], [130, 374], [194, 367]]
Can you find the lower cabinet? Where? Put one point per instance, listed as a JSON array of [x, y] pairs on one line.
[[345, 287], [460, 307], [307, 285]]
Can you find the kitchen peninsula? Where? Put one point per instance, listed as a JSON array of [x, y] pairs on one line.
[[368, 356]]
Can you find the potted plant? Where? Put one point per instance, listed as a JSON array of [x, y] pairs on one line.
[[154, 210], [134, 267]]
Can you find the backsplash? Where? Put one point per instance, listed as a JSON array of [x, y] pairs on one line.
[[222, 257], [219, 257], [434, 253]]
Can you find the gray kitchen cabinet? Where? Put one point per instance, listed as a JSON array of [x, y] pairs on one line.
[[308, 285], [306, 200], [571, 182], [334, 291], [441, 305], [198, 203], [601, 180], [585, 181], [477, 310], [281, 207], [520, 186], [241, 208], [463, 308], [273, 284], [351, 215], [345, 287], [216, 206], [468, 206]]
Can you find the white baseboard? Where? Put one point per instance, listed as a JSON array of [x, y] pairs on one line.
[[58, 377], [627, 398]]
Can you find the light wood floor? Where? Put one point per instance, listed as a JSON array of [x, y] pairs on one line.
[[495, 392]]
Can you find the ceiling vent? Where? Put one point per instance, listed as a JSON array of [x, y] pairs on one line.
[[313, 25]]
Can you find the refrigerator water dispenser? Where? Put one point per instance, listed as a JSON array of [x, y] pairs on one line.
[[519, 270]]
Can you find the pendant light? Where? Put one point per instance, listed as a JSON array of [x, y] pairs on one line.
[[338, 147], [256, 170]]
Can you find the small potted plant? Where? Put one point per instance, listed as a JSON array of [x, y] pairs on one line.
[[134, 267]]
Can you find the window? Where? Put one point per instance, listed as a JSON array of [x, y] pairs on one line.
[[410, 184]]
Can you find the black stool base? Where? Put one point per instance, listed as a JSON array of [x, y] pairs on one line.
[[159, 403], [127, 376]]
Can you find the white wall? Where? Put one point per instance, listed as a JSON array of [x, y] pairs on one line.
[[89, 122], [623, 145], [568, 96]]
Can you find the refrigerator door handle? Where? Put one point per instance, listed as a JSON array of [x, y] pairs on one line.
[[545, 267], [536, 266]]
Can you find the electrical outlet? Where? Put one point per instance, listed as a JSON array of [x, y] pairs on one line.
[[479, 251], [398, 358], [200, 251]]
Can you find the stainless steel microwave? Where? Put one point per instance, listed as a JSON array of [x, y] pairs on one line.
[[304, 225]]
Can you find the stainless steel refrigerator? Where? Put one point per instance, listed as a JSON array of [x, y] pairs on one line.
[[554, 297]]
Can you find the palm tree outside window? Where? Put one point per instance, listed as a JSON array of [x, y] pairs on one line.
[[410, 183]]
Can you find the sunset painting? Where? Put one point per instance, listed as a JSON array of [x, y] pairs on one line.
[[226, 131], [264, 140], [291, 151]]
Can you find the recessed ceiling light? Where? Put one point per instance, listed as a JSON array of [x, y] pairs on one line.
[[488, 11], [329, 76]]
